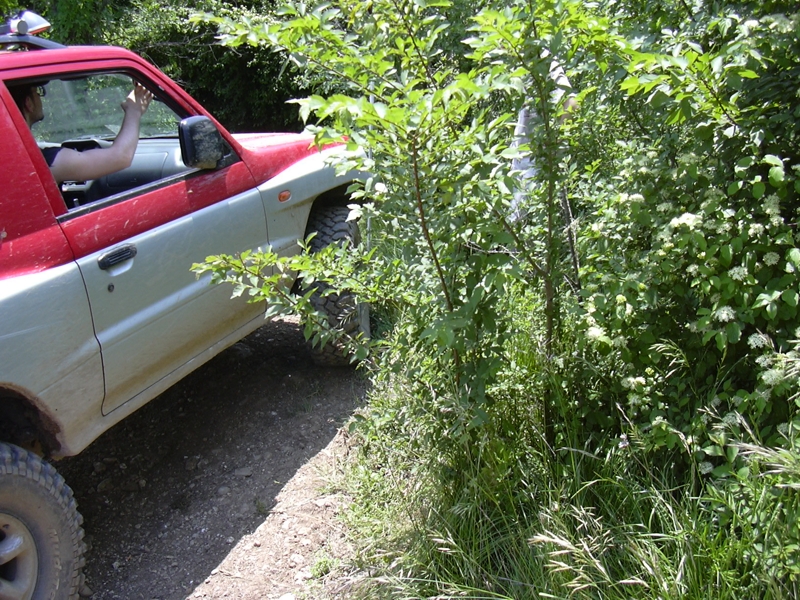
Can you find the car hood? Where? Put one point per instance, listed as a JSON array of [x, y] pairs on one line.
[[256, 141], [267, 154]]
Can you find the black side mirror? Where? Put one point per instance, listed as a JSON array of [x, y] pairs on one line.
[[202, 146]]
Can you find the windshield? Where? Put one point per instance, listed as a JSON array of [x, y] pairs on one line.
[[89, 107]]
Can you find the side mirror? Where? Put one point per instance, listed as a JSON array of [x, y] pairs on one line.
[[202, 146]]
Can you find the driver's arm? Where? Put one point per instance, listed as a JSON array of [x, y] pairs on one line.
[[71, 165]]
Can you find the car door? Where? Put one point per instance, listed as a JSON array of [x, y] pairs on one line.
[[154, 320]]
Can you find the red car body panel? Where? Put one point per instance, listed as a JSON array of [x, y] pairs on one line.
[[35, 242], [31, 240], [99, 229]]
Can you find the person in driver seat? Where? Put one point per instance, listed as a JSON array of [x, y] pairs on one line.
[[67, 164]]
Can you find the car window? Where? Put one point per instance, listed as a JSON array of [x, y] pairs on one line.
[[88, 106], [83, 111]]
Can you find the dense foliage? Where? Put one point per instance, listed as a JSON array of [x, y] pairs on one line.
[[592, 393]]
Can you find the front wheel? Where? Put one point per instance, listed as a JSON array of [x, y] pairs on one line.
[[342, 311], [41, 538]]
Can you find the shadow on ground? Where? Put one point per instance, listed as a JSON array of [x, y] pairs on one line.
[[168, 492]]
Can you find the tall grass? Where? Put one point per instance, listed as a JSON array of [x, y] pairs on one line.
[[499, 514]]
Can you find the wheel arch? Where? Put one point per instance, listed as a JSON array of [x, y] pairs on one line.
[[338, 196], [26, 423]]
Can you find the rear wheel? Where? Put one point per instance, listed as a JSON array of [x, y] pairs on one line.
[[343, 312], [41, 538]]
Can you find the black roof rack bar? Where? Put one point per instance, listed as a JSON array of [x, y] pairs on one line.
[[28, 40]]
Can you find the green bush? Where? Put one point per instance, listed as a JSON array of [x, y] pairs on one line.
[[560, 400], [690, 264]]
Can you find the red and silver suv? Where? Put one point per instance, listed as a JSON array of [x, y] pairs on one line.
[[99, 311]]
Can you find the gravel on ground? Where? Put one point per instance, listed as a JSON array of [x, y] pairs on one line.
[[219, 487]]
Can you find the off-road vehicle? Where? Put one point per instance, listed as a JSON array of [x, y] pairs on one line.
[[99, 309]]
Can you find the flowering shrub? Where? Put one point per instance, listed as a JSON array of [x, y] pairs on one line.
[[690, 280]]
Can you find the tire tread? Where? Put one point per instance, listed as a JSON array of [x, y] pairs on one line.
[[332, 227], [16, 461]]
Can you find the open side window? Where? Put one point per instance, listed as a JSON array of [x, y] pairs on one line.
[[82, 111]]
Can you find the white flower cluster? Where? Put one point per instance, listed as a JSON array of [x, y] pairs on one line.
[[771, 258], [595, 333], [723, 227], [758, 340], [731, 418], [772, 377], [755, 230], [631, 383], [724, 314], [772, 207], [690, 220], [764, 361], [738, 273], [664, 235]]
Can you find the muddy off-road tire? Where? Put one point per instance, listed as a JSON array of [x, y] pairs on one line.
[[332, 227], [41, 538]]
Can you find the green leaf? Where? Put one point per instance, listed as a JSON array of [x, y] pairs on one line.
[[793, 256], [758, 189], [765, 298], [743, 164], [734, 332], [735, 187], [726, 255], [772, 310], [631, 85], [790, 297], [714, 450], [776, 177], [722, 471], [721, 340]]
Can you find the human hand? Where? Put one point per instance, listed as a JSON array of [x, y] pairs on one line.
[[138, 100]]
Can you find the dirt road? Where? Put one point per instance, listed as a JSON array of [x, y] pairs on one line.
[[189, 496]]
